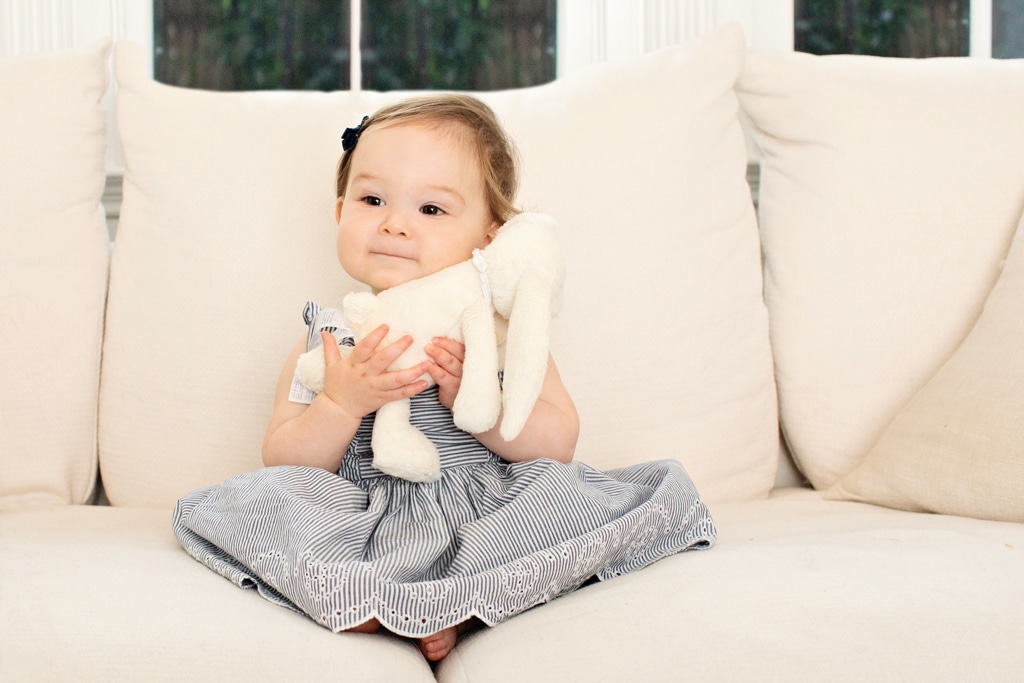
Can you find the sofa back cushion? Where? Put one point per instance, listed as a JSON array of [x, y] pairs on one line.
[[53, 274], [227, 229], [890, 191]]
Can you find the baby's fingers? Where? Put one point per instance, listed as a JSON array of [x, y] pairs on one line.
[[407, 376], [390, 353], [444, 357], [366, 347], [331, 353], [455, 348], [407, 382]]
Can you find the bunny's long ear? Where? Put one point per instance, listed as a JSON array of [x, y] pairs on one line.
[[526, 351], [478, 402]]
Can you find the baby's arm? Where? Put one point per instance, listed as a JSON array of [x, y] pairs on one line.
[[552, 428], [318, 434]]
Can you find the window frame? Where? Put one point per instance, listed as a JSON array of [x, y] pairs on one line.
[[588, 31]]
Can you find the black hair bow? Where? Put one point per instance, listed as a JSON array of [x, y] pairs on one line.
[[351, 136]]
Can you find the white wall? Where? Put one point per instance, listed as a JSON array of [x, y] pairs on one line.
[[33, 26], [592, 31]]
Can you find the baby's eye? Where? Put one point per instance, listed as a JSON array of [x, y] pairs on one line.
[[432, 210], [370, 200]]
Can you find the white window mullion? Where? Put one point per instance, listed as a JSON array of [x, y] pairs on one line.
[[981, 28], [355, 64], [581, 34], [624, 29], [671, 22], [768, 24]]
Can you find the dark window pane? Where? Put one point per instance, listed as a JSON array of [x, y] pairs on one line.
[[252, 44], [1008, 28], [888, 28], [457, 44]]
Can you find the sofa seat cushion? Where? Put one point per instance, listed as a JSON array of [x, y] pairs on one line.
[[797, 588], [96, 593]]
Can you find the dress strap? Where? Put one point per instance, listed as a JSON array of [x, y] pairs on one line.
[[319, 319]]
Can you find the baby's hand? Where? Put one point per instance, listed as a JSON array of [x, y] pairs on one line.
[[359, 383], [448, 356]]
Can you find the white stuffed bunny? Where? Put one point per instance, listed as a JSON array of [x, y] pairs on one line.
[[519, 276]]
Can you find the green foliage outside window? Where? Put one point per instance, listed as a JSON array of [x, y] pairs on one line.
[[458, 44], [252, 44], [491, 44], [888, 28], [304, 44]]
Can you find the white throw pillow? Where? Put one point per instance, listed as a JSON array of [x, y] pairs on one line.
[[958, 447], [889, 193], [53, 273], [227, 228]]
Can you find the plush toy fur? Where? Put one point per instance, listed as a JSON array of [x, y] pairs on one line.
[[518, 276]]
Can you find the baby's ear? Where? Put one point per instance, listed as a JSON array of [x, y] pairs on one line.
[[491, 232], [337, 209]]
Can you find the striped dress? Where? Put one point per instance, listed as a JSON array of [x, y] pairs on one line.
[[489, 539]]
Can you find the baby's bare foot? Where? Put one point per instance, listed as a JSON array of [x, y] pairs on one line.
[[436, 647], [368, 626]]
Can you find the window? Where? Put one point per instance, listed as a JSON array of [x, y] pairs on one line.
[[457, 44], [910, 28], [251, 44], [307, 44], [1007, 28]]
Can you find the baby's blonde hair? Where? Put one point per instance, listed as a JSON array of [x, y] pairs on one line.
[[477, 123]]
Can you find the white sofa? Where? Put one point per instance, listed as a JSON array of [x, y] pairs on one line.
[[845, 311]]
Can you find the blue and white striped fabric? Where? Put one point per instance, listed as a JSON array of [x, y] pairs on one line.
[[319, 319], [490, 539]]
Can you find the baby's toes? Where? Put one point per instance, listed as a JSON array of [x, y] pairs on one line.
[[436, 647]]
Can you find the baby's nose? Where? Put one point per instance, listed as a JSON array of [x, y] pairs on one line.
[[395, 224]]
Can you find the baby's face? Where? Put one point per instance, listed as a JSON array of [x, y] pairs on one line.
[[415, 205]]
